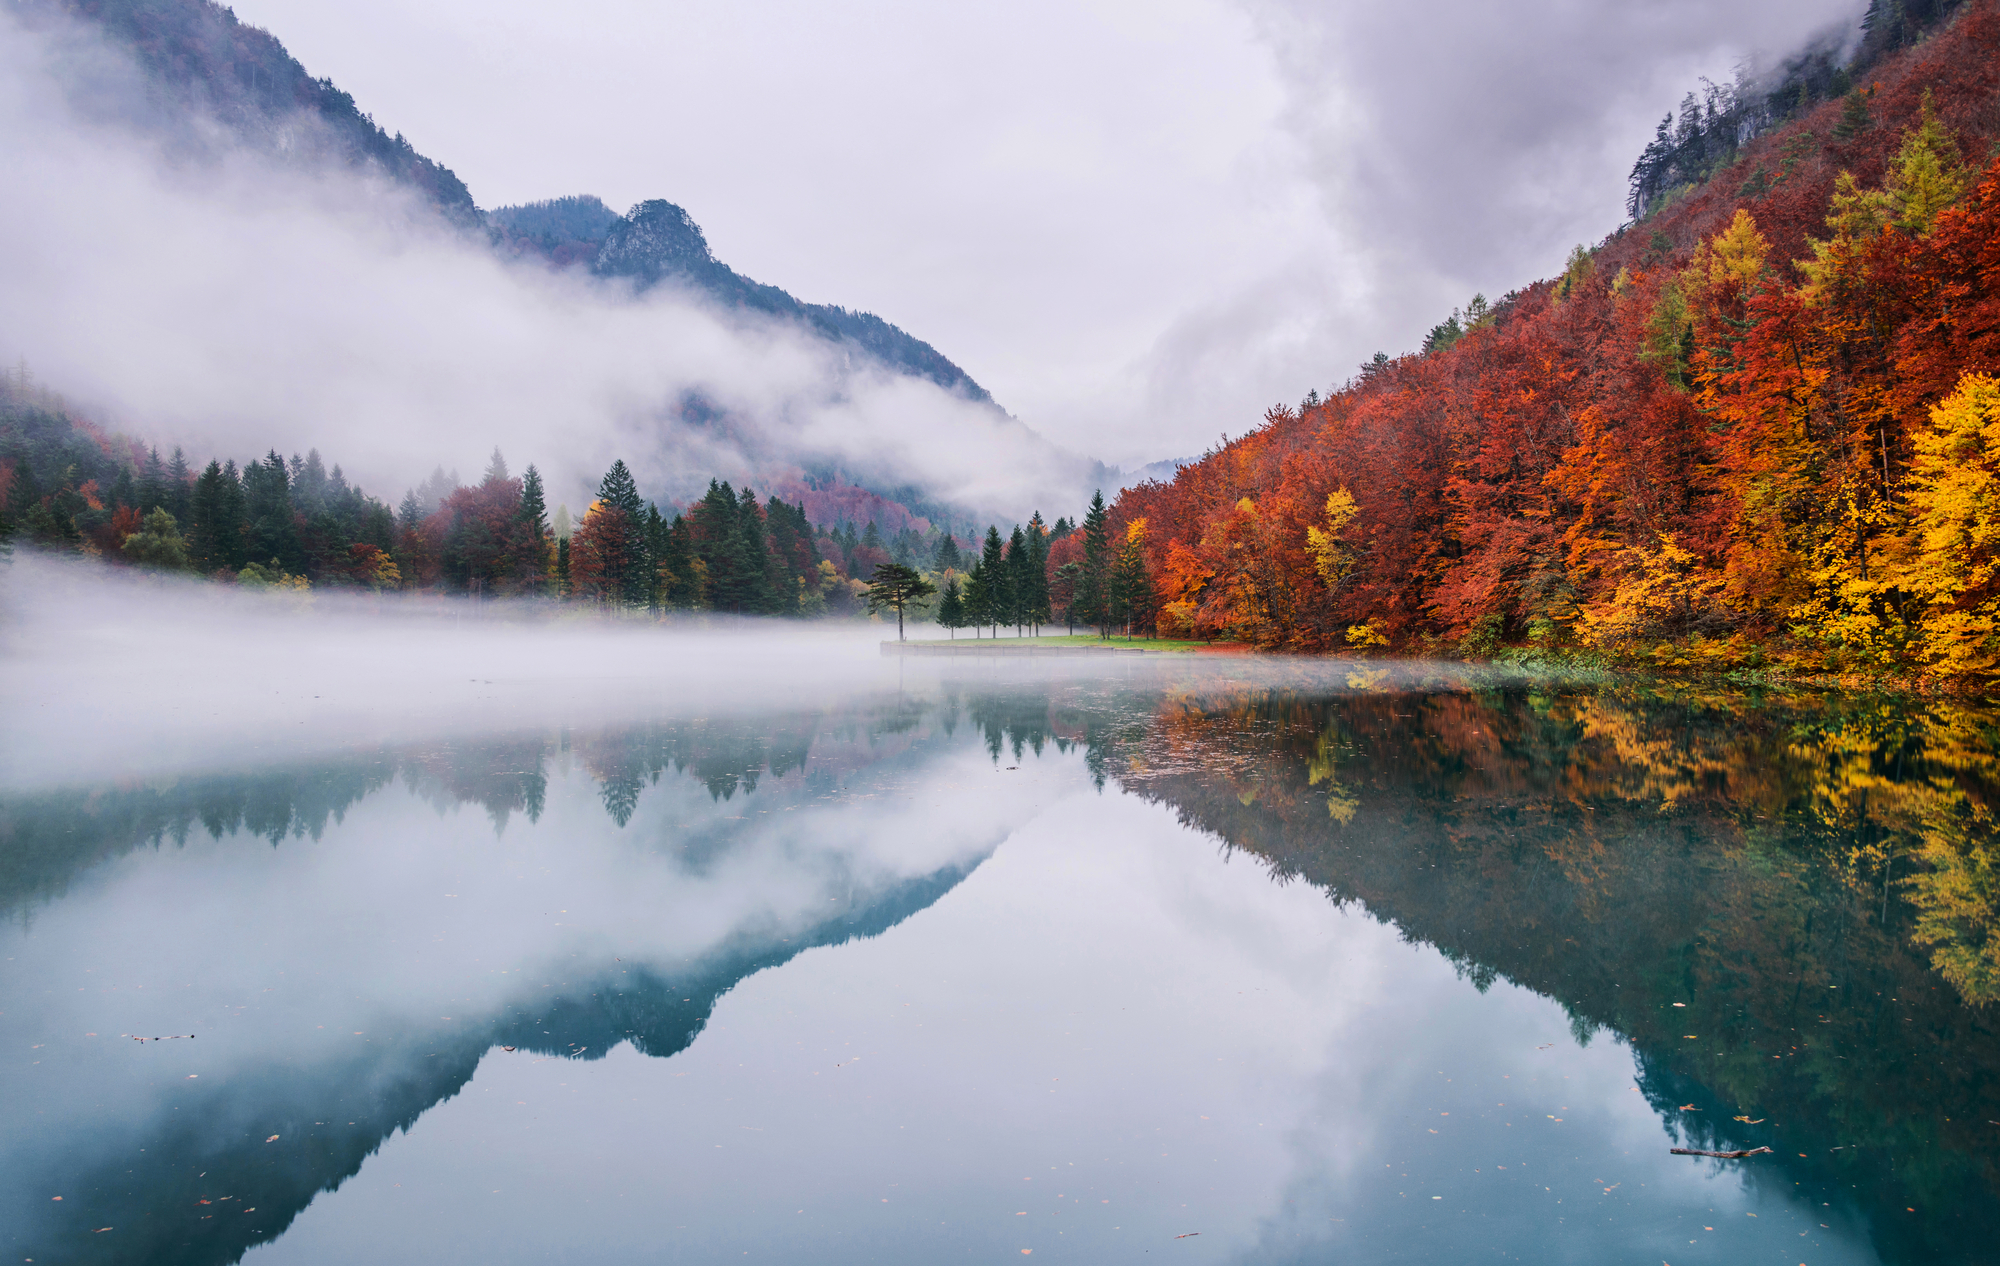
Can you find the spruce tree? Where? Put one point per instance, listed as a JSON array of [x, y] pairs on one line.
[[951, 607], [531, 548], [180, 486], [1131, 588], [1038, 572], [764, 588], [978, 598], [1092, 586], [270, 526], [617, 491], [1020, 580], [152, 482], [999, 602], [675, 568], [947, 558], [656, 550]]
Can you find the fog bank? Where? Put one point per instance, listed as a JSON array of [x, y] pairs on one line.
[[206, 295]]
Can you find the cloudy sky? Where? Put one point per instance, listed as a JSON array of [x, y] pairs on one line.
[[1138, 222]]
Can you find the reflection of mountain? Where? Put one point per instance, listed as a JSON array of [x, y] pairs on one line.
[[330, 1118], [1624, 854], [206, 1141]]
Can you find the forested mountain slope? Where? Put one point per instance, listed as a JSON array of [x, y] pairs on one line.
[[1758, 424]]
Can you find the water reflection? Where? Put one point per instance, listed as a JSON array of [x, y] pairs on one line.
[[1784, 907]]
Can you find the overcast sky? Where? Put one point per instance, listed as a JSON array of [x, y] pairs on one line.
[[1138, 222]]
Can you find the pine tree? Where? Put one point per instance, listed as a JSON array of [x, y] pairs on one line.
[[675, 571], [951, 607], [531, 548], [1131, 588], [1020, 580], [270, 528], [216, 519], [947, 558], [894, 585], [999, 603], [656, 550], [180, 486], [617, 491], [1092, 585], [978, 599], [1038, 572], [152, 482]]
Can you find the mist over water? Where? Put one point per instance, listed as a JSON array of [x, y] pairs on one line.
[[809, 953]]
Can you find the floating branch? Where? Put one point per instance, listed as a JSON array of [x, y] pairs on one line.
[[1695, 1151]]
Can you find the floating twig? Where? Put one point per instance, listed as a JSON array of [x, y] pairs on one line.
[[1696, 1151], [168, 1038]]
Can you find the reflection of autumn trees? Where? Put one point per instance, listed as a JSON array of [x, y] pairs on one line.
[[1812, 880]]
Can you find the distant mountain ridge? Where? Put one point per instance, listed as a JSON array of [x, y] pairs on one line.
[[201, 59], [658, 241]]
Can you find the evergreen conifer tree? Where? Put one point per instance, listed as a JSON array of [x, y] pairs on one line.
[[180, 486], [951, 607], [978, 598], [947, 557], [531, 543], [1131, 589], [999, 599], [894, 585], [270, 527], [617, 491], [216, 513], [1091, 587], [1020, 580], [152, 482], [1038, 572]]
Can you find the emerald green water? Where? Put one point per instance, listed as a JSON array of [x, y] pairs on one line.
[[1170, 966]]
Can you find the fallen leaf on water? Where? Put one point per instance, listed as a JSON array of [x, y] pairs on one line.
[[1758, 1121], [1688, 1107], [272, 1139], [1189, 1235], [506, 1048]]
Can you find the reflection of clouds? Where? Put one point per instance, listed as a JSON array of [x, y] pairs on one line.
[[1455, 1094], [355, 978]]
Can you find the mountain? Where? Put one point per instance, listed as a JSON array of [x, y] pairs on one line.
[[202, 62], [659, 242]]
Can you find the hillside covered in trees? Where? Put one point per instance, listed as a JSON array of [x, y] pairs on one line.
[[1758, 425]]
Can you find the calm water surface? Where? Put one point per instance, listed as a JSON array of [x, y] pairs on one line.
[[1323, 970]]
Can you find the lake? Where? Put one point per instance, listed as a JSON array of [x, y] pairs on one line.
[[1156, 960]]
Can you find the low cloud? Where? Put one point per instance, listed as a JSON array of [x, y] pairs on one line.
[[232, 301]]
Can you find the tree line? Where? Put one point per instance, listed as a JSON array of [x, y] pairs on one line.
[[293, 522]]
